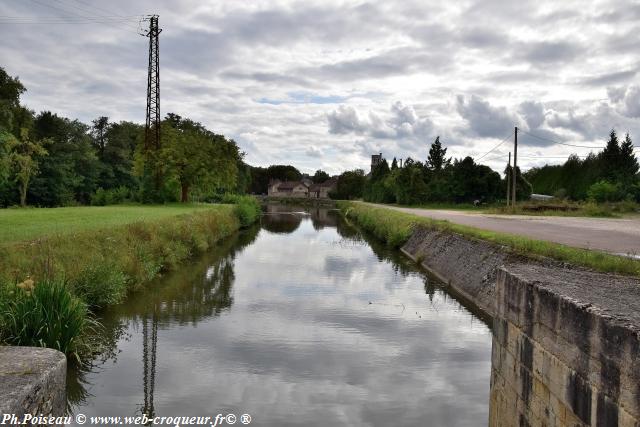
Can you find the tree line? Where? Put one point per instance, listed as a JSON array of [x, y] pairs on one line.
[[610, 175], [437, 179], [49, 160]]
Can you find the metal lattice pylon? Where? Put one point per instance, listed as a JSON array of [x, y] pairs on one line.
[[152, 129]]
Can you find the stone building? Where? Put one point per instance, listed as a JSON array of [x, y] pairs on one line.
[[376, 159], [302, 189], [321, 191], [296, 189]]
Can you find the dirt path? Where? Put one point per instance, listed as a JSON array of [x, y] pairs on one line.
[[620, 236]]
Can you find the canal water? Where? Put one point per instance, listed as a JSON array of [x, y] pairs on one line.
[[302, 321]]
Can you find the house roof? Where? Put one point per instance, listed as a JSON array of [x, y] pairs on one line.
[[327, 184], [290, 185]]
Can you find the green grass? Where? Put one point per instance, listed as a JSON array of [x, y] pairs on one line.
[[395, 228], [569, 209], [33, 223], [449, 206]]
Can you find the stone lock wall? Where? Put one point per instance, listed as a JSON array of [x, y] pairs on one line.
[[557, 361], [32, 381]]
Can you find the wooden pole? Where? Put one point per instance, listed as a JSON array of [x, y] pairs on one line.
[[508, 179], [514, 177]]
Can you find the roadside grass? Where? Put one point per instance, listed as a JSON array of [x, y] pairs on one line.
[[535, 208], [21, 224], [395, 228], [52, 282], [450, 206], [569, 209]]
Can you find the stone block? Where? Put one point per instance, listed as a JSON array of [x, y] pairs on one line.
[[32, 381]]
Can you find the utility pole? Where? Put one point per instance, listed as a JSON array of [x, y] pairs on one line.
[[152, 128], [508, 178], [514, 179]]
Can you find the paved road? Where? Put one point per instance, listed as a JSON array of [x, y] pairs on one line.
[[620, 236]]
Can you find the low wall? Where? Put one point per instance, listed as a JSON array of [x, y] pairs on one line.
[[566, 341], [566, 349], [32, 381]]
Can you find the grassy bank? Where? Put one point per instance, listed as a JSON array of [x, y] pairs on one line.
[[24, 224], [87, 268], [395, 228]]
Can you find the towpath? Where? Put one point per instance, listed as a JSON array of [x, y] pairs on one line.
[[620, 236]]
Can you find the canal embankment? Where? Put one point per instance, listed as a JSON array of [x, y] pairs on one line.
[[59, 279], [566, 344]]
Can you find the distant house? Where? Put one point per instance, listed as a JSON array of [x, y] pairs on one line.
[[279, 188], [302, 189], [321, 191]]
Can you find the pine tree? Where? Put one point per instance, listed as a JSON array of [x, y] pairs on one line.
[[610, 157], [394, 164], [628, 164], [436, 160]]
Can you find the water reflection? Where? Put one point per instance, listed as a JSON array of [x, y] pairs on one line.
[[194, 293], [303, 324]]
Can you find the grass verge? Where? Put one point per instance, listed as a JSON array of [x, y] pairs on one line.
[[18, 225], [49, 285], [569, 209], [395, 228]]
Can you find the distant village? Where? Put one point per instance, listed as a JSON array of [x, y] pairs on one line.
[[305, 188]]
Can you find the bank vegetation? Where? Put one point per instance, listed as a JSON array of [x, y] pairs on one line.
[[51, 287]]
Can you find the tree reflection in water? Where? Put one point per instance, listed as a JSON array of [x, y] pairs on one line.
[[187, 296]]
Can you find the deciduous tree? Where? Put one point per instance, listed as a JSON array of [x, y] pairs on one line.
[[23, 153]]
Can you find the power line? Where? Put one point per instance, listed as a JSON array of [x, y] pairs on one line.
[[91, 11], [499, 144], [97, 7], [67, 12], [558, 142], [63, 21]]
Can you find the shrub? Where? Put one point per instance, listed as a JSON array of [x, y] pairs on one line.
[[113, 196], [247, 208], [45, 315], [100, 284], [604, 191], [560, 194]]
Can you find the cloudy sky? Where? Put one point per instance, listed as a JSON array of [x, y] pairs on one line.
[[325, 84]]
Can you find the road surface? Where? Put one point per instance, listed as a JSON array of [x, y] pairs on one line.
[[619, 236]]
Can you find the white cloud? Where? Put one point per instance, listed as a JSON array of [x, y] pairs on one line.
[[461, 71]]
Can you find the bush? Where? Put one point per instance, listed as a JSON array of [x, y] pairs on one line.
[[604, 191], [100, 284], [560, 194], [45, 315], [113, 196], [247, 208]]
